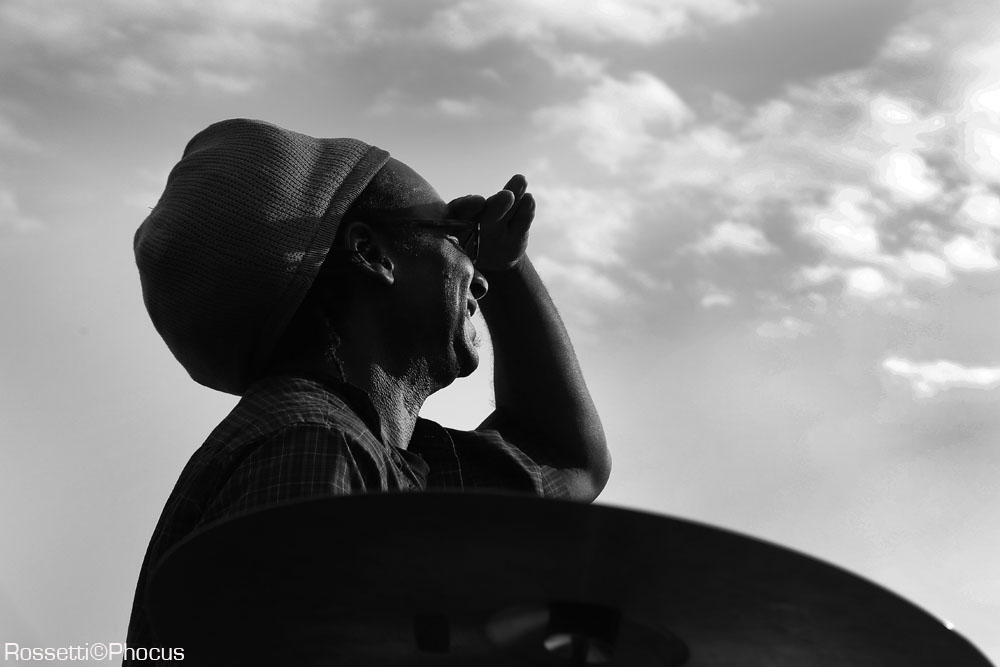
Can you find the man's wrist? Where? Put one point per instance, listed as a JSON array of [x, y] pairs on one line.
[[500, 272]]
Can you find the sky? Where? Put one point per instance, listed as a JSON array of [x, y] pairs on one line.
[[771, 228]]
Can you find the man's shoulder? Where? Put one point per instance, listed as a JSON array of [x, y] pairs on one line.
[[278, 403]]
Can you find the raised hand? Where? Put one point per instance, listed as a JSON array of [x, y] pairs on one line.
[[505, 218]]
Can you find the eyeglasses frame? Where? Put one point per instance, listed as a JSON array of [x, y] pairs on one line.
[[448, 224]]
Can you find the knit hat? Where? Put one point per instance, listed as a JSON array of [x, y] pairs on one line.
[[247, 218]]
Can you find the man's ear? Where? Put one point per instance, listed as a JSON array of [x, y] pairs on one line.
[[368, 252]]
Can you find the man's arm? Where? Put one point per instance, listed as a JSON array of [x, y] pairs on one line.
[[542, 402]]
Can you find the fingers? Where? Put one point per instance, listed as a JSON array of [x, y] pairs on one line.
[[467, 207], [512, 201], [525, 213], [517, 184], [497, 206]]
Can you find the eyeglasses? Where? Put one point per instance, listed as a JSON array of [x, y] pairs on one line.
[[466, 231]]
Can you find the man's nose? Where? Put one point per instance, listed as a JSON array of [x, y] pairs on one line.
[[479, 286]]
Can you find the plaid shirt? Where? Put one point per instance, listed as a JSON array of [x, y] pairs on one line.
[[294, 437]]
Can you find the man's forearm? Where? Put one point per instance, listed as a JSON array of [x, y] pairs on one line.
[[541, 396]]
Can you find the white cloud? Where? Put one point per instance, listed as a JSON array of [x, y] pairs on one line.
[[982, 152], [981, 209], [715, 299], [387, 102], [585, 224], [63, 27], [786, 328], [906, 45], [453, 108], [471, 24], [581, 66], [735, 237], [770, 118], [223, 47], [13, 139], [929, 378], [135, 74], [867, 283], [650, 282], [896, 125], [11, 216], [294, 15], [230, 84], [871, 282], [923, 265], [971, 254], [907, 175], [220, 45], [846, 226], [816, 275], [979, 110], [704, 156], [858, 158], [586, 281], [615, 120], [392, 101]]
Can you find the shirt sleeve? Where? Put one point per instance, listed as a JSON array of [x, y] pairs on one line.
[[489, 462], [299, 461]]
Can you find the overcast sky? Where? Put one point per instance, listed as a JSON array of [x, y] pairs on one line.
[[771, 227]]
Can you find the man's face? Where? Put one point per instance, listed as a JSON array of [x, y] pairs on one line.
[[435, 289], [435, 285]]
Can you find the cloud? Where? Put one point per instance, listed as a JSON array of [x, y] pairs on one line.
[[586, 294], [11, 216], [907, 176], [585, 278], [853, 158], [979, 110], [813, 276], [787, 328], [146, 46], [459, 109], [717, 299], [981, 209], [927, 379], [580, 66], [971, 254], [585, 225], [704, 156], [735, 237], [894, 122], [919, 265], [615, 120], [846, 225], [867, 283], [135, 74], [471, 24], [865, 165], [228, 84], [13, 139], [884, 276], [393, 101]]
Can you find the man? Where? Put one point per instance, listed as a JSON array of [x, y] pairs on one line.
[[332, 288]]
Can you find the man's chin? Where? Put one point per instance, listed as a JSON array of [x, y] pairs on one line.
[[468, 352], [469, 365]]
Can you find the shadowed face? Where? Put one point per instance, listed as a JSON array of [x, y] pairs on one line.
[[431, 300]]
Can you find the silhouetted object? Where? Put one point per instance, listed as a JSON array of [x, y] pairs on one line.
[[484, 580]]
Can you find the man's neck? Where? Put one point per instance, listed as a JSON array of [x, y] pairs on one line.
[[396, 396]]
